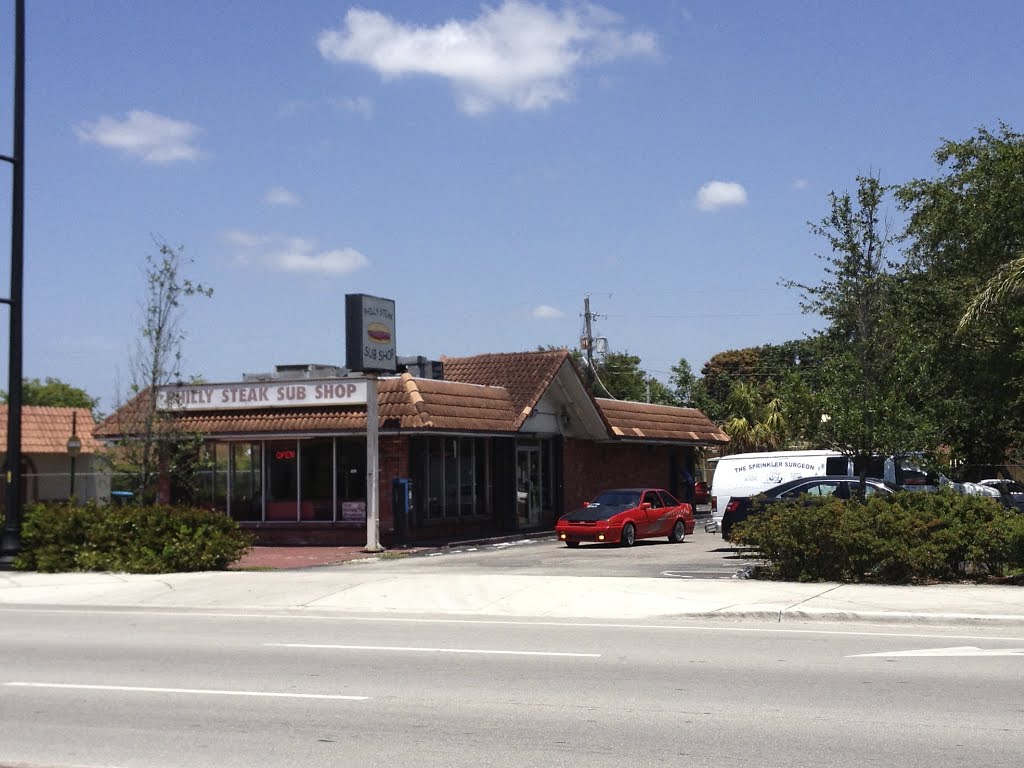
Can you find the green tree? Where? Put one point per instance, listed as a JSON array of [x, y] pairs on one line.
[[965, 234], [719, 374], [859, 378], [683, 383], [1008, 281], [618, 375], [152, 441], [753, 425], [53, 392]]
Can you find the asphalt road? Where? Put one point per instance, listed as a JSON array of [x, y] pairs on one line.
[[701, 556], [136, 688]]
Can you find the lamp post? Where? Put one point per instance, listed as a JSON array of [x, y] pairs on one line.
[[74, 448]]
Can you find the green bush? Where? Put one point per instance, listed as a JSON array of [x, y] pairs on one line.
[[907, 537], [132, 539]]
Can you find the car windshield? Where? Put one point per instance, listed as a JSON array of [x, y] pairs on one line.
[[617, 499]]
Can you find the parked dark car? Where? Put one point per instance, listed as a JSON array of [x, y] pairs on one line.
[[840, 486], [623, 515]]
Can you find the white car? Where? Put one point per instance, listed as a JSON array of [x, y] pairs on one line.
[[1010, 489]]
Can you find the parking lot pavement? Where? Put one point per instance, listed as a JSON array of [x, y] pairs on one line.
[[700, 556]]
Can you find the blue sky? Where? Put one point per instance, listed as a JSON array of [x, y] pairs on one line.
[[484, 165]]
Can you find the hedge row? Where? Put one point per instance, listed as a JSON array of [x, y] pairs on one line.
[[131, 539], [904, 538]]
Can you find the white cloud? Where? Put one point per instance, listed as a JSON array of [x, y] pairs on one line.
[[520, 54], [799, 183], [292, 254], [720, 194], [544, 312], [281, 196], [146, 135]]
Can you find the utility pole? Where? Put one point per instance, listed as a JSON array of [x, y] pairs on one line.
[[10, 542], [588, 338]]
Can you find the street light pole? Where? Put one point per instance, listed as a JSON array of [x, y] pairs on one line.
[[10, 543]]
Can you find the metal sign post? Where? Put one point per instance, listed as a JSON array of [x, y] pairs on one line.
[[372, 462]]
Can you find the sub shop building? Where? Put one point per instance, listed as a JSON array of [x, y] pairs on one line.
[[467, 447]]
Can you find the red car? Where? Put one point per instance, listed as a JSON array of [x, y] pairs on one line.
[[700, 492], [623, 515]]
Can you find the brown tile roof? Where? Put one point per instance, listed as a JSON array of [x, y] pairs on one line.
[[492, 393], [646, 421], [46, 429], [526, 375], [457, 405]]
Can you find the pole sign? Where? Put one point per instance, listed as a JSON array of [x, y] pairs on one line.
[[369, 333]]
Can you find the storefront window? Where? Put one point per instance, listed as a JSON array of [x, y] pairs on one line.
[[433, 489], [317, 470], [193, 480], [351, 469], [247, 481], [451, 476], [283, 480], [467, 471]]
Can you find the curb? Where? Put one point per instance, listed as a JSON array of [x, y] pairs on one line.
[[498, 540], [883, 618]]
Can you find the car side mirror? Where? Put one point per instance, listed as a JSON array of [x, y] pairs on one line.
[[645, 505]]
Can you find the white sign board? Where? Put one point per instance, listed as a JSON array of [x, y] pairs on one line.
[[263, 394]]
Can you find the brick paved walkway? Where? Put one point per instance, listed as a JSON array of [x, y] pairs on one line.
[[278, 558]]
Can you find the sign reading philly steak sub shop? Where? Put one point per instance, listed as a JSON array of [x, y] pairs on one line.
[[369, 333], [261, 394]]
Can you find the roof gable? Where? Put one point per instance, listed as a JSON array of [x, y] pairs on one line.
[[524, 375]]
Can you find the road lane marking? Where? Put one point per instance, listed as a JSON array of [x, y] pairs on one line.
[[199, 691], [414, 649], [962, 650]]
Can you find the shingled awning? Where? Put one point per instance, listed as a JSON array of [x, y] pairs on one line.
[[650, 422]]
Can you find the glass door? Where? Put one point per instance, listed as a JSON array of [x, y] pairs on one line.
[[528, 486]]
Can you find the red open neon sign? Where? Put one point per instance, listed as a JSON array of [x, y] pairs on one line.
[[280, 455]]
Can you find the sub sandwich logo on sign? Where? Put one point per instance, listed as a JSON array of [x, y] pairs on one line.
[[378, 333]]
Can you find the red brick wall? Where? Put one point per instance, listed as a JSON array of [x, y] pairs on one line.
[[592, 467], [394, 463]]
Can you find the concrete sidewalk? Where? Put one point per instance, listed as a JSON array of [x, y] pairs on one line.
[[370, 587]]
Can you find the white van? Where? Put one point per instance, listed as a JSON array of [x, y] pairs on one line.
[[747, 474]]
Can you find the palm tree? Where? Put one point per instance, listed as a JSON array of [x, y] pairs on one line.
[[1007, 281], [754, 425]]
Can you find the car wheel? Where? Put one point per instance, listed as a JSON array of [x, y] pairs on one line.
[[678, 532], [572, 544], [628, 535]]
